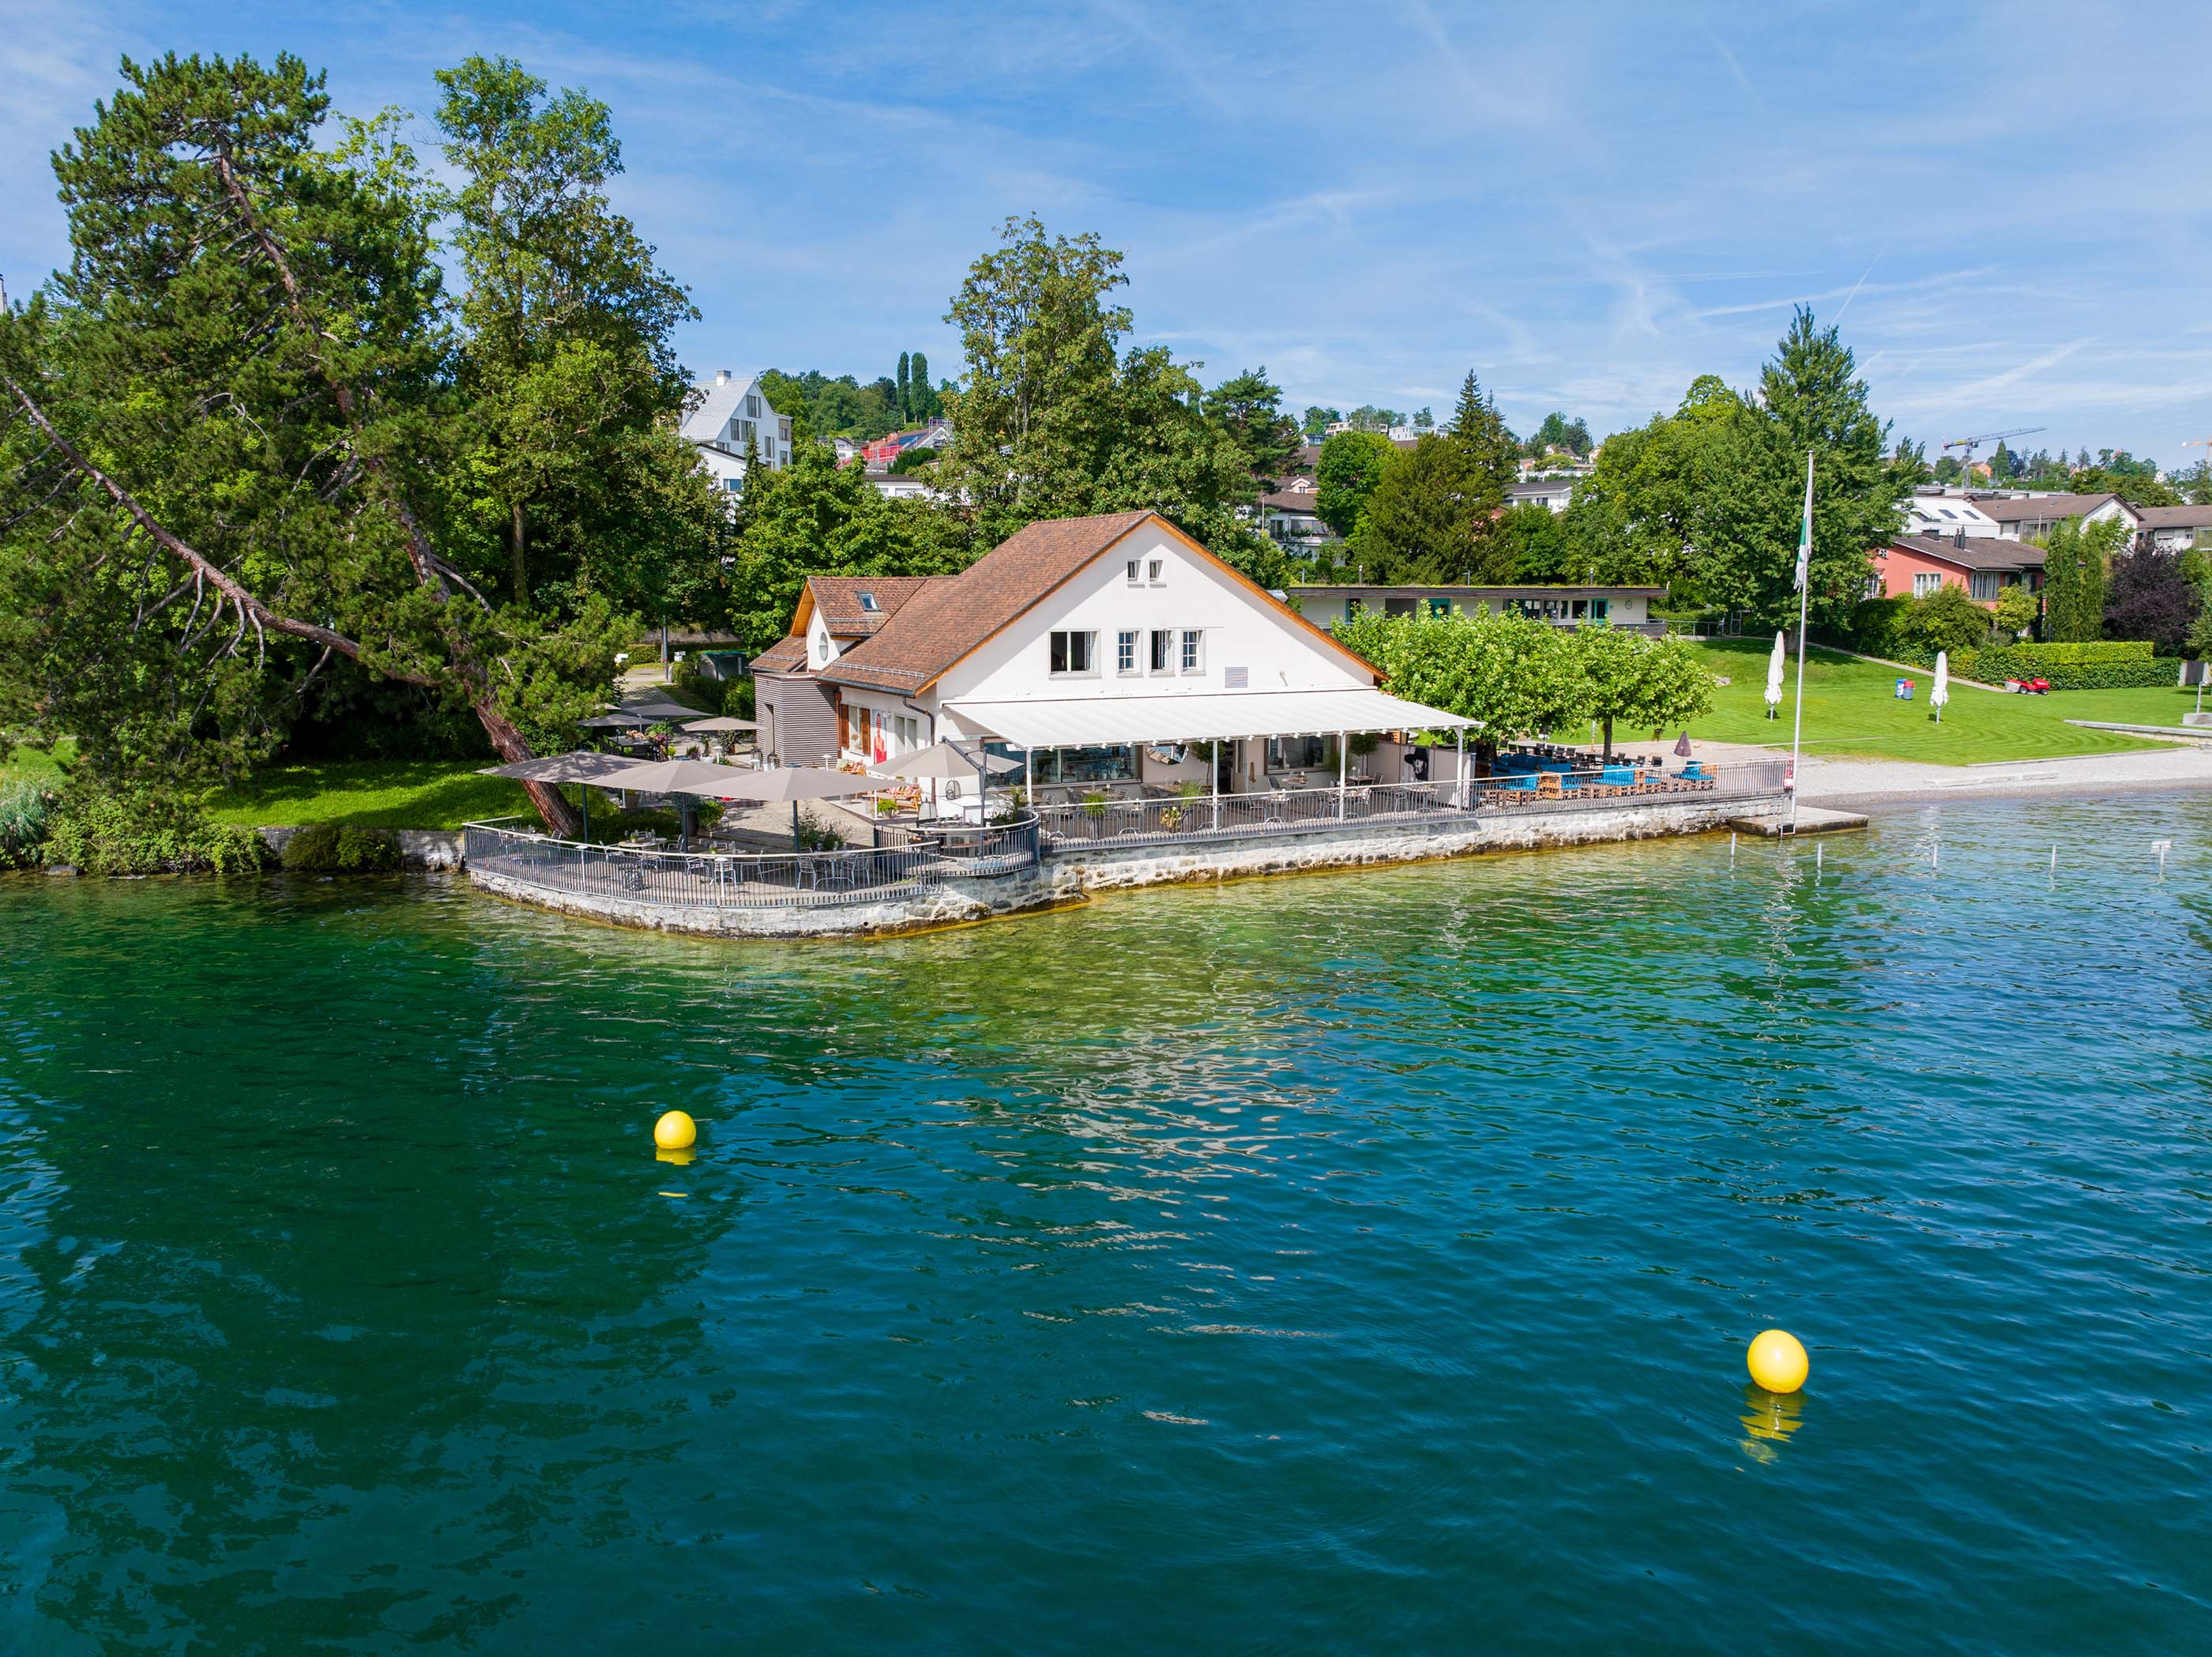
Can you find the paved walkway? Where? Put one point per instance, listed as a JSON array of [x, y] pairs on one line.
[[1863, 781]]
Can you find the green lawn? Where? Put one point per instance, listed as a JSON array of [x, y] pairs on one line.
[[373, 792], [1851, 710], [433, 794]]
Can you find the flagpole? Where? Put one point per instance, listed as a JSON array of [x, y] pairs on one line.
[[1804, 585]]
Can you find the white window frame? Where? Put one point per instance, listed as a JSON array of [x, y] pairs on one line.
[[1160, 650], [1155, 571], [1136, 572], [1125, 650], [1190, 649], [1925, 581], [1981, 579], [1068, 652]]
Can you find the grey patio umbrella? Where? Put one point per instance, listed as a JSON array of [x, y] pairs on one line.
[[581, 766], [795, 783], [942, 762], [615, 721], [674, 776], [654, 710]]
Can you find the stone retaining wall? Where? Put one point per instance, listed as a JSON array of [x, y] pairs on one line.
[[419, 848], [1065, 877]]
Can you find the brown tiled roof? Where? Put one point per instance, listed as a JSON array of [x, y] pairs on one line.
[[950, 618], [1290, 500], [786, 655], [837, 598], [1975, 552], [2012, 510], [2175, 517]]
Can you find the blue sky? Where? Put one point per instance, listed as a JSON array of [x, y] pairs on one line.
[[2006, 206]]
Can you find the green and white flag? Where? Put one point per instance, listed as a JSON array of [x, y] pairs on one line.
[[1805, 544]]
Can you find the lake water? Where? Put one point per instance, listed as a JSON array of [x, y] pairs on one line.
[[1350, 1262]]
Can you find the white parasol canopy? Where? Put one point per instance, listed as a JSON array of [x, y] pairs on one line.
[[1774, 673], [721, 722], [1940, 696]]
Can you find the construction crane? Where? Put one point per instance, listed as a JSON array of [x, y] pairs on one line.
[[1970, 444]]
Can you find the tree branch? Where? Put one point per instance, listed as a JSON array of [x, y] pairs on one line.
[[222, 582]]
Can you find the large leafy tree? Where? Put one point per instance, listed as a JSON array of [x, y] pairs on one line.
[[2149, 597], [1349, 467], [1423, 522], [1435, 512], [817, 518], [1053, 420], [1249, 407], [1514, 675], [565, 351], [239, 443], [1639, 681]]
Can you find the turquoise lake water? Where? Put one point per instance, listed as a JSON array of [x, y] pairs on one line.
[[1356, 1262]]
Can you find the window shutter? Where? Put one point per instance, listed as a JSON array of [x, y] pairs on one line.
[[844, 726]]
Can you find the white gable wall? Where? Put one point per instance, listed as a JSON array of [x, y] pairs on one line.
[[1241, 629]]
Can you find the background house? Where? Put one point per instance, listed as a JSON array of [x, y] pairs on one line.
[[1628, 608], [2175, 528], [1913, 566], [734, 416], [2024, 517]]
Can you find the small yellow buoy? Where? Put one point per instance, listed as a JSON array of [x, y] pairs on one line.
[[674, 1131], [1777, 1362]]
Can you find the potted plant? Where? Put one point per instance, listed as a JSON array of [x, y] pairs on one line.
[[1095, 801]]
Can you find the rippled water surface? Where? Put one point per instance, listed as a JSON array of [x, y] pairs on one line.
[[1352, 1263]]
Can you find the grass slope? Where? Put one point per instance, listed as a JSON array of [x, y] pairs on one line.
[[373, 792], [1850, 711]]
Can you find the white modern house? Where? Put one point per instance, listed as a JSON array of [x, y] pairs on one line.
[[1107, 655], [735, 418], [1556, 494], [1939, 512]]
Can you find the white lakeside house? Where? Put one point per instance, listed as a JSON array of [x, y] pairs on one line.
[[734, 418], [1108, 654]]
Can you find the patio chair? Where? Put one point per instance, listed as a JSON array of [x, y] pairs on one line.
[[1550, 785]]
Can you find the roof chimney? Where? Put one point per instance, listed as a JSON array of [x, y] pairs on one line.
[[721, 376], [1959, 538]]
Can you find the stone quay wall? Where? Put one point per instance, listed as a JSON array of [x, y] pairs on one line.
[[1065, 876]]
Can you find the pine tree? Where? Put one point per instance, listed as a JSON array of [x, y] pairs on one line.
[[904, 394]]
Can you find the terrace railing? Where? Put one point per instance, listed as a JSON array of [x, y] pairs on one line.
[[847, 878], [1320, 811]]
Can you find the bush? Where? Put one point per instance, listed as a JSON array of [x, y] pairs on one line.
[[147, 833], [26, 812], [330, 848]]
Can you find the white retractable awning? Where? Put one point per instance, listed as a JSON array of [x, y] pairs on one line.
[[1090, 721]]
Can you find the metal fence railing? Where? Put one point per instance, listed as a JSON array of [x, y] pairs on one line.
[[1296, 810], [722, 880]]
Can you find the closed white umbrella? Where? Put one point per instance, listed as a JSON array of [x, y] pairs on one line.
[[1941, 695], [1774, 679]]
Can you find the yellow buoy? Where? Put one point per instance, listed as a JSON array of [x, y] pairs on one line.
[[1777, 1362], [674, 1131]]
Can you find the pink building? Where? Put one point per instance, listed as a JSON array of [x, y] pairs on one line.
[[1909, 566]]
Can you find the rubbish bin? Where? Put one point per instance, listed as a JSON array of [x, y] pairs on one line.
[[1904, 690]]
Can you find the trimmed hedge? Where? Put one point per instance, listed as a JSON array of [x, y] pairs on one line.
[[2131, 666], [342, 849], [2080, 656]]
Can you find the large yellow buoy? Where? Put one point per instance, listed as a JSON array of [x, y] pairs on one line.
[[1778, 1361], [674, 1131]]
